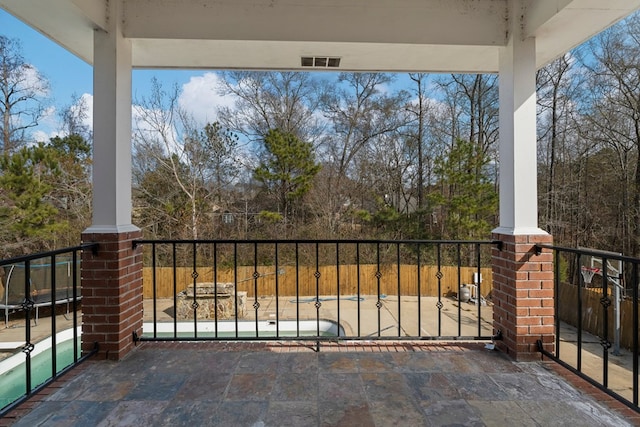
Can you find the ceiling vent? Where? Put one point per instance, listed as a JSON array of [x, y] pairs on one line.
[[320, 62]]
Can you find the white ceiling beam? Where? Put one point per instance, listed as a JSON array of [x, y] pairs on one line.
[[286, 55], [68, 23], [447, 22], [94, 10], [540, 15], [561, 25], [537, 13]]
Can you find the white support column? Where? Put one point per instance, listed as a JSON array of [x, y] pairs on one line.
[[112, 277], [518, 152], [523, 289], [112, 128]]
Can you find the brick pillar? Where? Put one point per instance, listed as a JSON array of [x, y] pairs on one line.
[[523, 295], [111, 293]]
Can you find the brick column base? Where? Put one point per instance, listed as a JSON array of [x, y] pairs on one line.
[[111, 294], [523, 295]]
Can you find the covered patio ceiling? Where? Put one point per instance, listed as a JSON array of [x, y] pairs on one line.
[[372, 35]]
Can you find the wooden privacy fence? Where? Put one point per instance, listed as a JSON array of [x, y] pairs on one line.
[[390, 281], [593, 312]]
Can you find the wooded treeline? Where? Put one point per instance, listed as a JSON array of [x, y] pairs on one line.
[[338, 155]]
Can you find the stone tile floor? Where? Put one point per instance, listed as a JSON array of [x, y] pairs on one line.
[[289, 384]]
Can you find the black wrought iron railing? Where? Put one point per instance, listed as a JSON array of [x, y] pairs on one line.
[[38, 353], [317, 290], [596, 315]]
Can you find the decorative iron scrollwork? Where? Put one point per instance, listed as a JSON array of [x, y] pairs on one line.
[[605, 344], [28, 348], [28, 304], [605, 301]]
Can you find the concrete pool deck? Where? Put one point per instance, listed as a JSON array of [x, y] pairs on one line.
[[393, 322]]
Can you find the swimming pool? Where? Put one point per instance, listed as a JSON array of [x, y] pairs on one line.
[[13, 368], [246, 329]]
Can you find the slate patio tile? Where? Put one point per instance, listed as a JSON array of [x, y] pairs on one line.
[[338, 413], [296, 387], [209, 386], [429, 386], [381, 386], [340, 387], [160, 386], [292, 414], [240, 413], [396, 412], [134, 413], [451, 412], [251, 386]]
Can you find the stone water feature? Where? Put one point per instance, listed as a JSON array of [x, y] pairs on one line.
[[207, 295]]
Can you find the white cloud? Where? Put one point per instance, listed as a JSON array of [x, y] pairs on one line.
[[200, 97], [33, 81], [48, 126], [42, 136], [49, 117]]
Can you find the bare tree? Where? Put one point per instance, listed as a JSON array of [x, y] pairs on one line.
[[22, 89], [74, 118], [359, 111], [389, 170], [558, 95], [614, 117], [473, 104], [420, 110], [271, 100], [193, 154]]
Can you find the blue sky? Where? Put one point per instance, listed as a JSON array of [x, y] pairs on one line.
[[69, 75]]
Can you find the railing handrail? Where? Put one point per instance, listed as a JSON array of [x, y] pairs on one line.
[[587, 251], [320, 241], [609, 312], [20, 259], [29, 304], [341, 283]]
